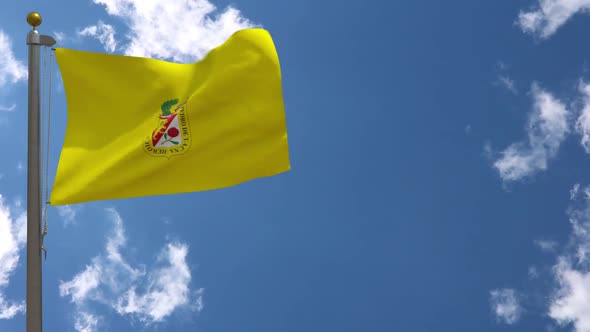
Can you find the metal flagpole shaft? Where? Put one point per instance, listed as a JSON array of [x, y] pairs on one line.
[[34, 290]]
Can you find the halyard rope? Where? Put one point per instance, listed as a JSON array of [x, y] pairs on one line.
[[45, 161]]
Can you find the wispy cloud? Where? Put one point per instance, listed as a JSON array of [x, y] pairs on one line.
[[571, 303], [468, 129], [502, 65], [86, 322], [583, 121], [505, 305], [12, 239], [507, 83], [59, 37], [546, 245], [148, 295], [11, 69], [179, 30], [82, 284], [547, 16], [167, 288], [10, 108], [571, 300], [503, 80], [547, 129], [574, 191], [569, 293], [68, 213], [105, 33]]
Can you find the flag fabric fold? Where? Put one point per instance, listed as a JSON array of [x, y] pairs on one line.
[[142, 127]]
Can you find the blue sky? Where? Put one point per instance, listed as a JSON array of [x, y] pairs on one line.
[[439, 154]]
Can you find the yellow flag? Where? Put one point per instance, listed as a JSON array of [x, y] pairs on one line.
[[142, 127]]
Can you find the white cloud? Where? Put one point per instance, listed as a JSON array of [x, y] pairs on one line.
[[574, 191], [59, 37], [502, 65], [11, 69], [546, 245], [549, 15], [583, 122], [19, 166], [580, 221], [68, 213], [10, 309], [12, 239], [167, 288], [505, 305], [468, 129], [570, 302], [547, 129], [82, 284], [569, 294], [507, 83], [179, 30], [105, 33], [86, 322], [149, 295], [10, 108], [113, 248]]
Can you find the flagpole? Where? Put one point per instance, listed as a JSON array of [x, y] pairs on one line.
[[34, 289]]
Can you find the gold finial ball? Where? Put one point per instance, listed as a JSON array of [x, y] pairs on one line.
[[34, 19]]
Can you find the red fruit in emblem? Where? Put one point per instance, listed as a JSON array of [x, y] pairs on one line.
[[173, 132]]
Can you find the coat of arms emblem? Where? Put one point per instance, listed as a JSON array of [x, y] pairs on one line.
[[172, 135]]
